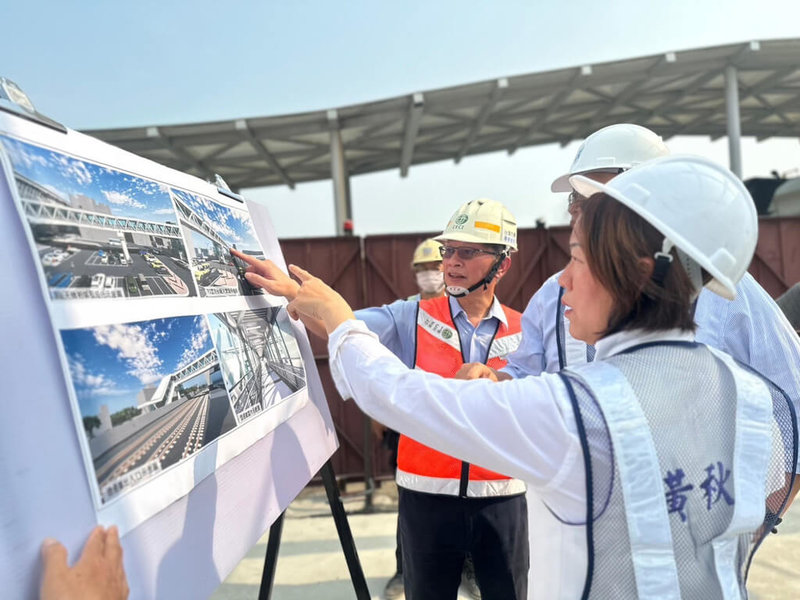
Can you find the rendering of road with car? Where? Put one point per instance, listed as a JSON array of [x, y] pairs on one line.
[[73, 272]]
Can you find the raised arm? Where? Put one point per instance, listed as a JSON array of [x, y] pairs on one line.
[[266, 274], [317, 301]]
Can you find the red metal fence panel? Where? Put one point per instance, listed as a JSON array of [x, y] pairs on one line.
[[776, 265], [542, 252], [337, 261], [387, 266]]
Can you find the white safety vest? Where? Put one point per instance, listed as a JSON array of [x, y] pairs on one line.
[[678, 471]]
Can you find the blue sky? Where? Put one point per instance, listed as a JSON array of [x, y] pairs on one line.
[[113, 64], [233, 226], [111, 364], [126, 195]]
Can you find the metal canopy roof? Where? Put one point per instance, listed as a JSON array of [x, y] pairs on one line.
[[677, 93]]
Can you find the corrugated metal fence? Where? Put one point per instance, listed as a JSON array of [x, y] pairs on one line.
[[376, 269]]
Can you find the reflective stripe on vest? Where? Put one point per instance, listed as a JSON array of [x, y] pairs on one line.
[[450, 487], [642, 487], [422, 468], [750, 463]]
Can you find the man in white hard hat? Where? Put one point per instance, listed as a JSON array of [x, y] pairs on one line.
[[449, 509], [751, 328]]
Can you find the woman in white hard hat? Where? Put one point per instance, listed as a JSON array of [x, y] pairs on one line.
[[751, 328], [672, 460]]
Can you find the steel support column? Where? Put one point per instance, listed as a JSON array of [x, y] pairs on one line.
[[341, 182], [734, 122]]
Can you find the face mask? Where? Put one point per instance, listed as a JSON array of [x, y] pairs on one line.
[[430, 282]]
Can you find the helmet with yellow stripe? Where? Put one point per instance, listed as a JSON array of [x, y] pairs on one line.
[[482, 221]]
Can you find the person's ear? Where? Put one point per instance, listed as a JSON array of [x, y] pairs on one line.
[[504, 267], [646, 266]]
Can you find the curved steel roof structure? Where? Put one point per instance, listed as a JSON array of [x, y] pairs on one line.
[[750, 88]]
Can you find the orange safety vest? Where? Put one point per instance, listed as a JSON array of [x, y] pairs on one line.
[[438, 350]]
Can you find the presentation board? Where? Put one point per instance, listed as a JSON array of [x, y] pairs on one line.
[[151, 386]]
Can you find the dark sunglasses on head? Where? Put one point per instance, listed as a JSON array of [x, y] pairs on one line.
[[463, 253]]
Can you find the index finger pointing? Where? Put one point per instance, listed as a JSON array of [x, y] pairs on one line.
[[251, 260], [300, 273]]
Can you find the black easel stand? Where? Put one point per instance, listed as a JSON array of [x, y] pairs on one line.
[[345, 537]]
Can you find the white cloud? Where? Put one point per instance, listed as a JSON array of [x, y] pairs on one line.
[[164, 211], [213, 215], [20, 156], [224, 231], [197, 343], [82, 377], [134, 347], [242, 217], [108, 390], [73, 169], [121, 199], [144, 186], [245, 224]]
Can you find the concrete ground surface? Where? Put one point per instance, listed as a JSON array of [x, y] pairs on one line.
[[311, 564]]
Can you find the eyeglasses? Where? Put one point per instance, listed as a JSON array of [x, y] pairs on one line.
[[575, 200], [463, 252]]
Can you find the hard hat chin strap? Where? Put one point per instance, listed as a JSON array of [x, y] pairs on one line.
[[459, 292], [691, 266], [663, 261]]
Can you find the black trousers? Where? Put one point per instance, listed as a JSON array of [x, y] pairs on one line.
[[390, 441], [437, 532]]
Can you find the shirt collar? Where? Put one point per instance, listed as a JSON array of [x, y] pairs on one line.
[[622, 340], [495, 310]]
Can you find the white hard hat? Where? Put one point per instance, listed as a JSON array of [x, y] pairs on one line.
[[700, 207], [482, 221], [614, 149], [427, 252]]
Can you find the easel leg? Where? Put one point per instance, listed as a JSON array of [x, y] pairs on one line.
[[345, 538], [369, 480], [271, 559], [345, 535]]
